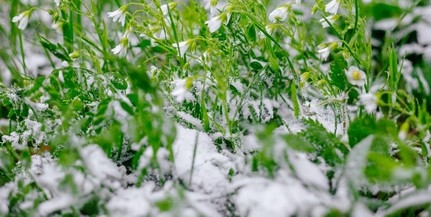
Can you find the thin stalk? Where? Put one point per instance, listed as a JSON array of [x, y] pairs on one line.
[[194, 157]]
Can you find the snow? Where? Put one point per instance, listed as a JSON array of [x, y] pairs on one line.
[[210, 167], [190, 119], [250, 144], [59, 202], [98, 163], [313, 176], [356, 161], [130, 202], [274, 198], [414, 199]]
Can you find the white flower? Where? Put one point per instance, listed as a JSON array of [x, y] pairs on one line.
[[325, 49], [183, 46], [278, 15], [332, 7], [355, 76], [22, 18], [121, 48], [119, 15], [181, 88], [57, 2], [331, 19], [369, 101], [214, 23]]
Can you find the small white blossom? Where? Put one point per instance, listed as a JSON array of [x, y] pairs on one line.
[[369, 101], [121, 48], [22, 19], [214, 23], [183, 46], [355, 76], [119, 15], [332, 7], [278, 15], [325, 49], [331, 19], [181, 88]]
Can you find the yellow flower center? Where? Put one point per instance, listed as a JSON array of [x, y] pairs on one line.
[[356, 75]]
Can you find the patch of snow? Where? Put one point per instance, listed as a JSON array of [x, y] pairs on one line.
[[210, 167], [250, 144], [130, 202], [98, 163], [190, 119], [424, 32], [308, 172], [416, 198], [360, 210], [275, 199], [386, 24], [59, 202], [356, 161]]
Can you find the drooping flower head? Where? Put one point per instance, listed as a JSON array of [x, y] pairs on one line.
[[278, 15], [215, 23], [325, 49], [183, 46], [119, 15], [355, 76], [22, 19], [121, 48], [331, 19], [332, 6]]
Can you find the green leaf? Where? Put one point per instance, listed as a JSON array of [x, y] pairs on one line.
[[133, 98], [367, 125], [381, 10], [337, 75], [325, 144], [298, 143], [119, 83], [251, 33], [127, 107], [256, 65], [56, 49], [165, 204], [295, 101]]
